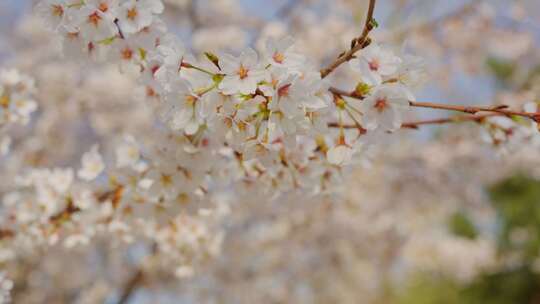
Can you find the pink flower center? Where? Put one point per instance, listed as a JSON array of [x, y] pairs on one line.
[[381, 104], [243, 72], [191, 100], [279, 57], [374, 65], [72, 36], [132, 13], [154, 69], [150, 92], [104, 7], [57, 10], [91, 47], [94, 18], [127, 53], [284, 90]]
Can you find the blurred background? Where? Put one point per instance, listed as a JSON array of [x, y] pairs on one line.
[[438, 217]]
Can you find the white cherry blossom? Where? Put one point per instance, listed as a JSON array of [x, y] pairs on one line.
[[92, 165], [242, 73], [280, 53], [134, 15], [127, 153], [375, 63], [385, 107], [53, 12], [96, 25]]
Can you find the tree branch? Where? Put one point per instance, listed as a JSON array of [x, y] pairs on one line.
[[439, 121], [473, 110], [357, 43], [135, 280], [501, 109]]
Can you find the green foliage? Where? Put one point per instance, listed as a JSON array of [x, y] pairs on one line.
[[505, 287], [461, 225], [517, 201], [502, 69], [425, 289]]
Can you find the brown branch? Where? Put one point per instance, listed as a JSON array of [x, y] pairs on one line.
[[501, 109], [131, 286], [438, 121], [135, 280], [473, 109], [357, 43], [455, 119]]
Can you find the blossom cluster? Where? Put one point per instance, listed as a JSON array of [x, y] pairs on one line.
[[508, 134], [16, 103], [183, 158], [270, 110]]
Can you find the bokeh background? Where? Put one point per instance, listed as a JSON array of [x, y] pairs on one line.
[[438, 217]]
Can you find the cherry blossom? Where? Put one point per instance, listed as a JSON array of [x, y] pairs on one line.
[[134, 15], [92, 164], [195, 137], [385, 107], [242, 73], [375, 63]]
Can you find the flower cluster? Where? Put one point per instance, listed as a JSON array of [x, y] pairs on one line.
[[5, 288], [509, 134], [16, 103], [145, 154], [101, 29], [271, 110]]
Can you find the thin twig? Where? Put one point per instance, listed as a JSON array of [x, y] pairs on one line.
[[439, 121], [131, 286], [358, 43], [502, 109], [473, 110], [135, 280]]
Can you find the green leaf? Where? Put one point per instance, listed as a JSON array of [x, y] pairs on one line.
[[461, 225]]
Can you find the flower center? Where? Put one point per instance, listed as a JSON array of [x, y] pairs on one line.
[[243, 72], [284, 90], [154, 69], [374, 65], [127, 53], [190, 100], [94, 19], [132, 13], [279, 57], [166, 180], [150, 91], [72, 36], [381, 104], [104, 7], [4, 101], [91, 47], [57, 10]]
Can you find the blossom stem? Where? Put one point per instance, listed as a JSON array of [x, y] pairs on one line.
[[438, 121], [341, 92], [357, 44], [190, 66], [502, 109], [473, 110]]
